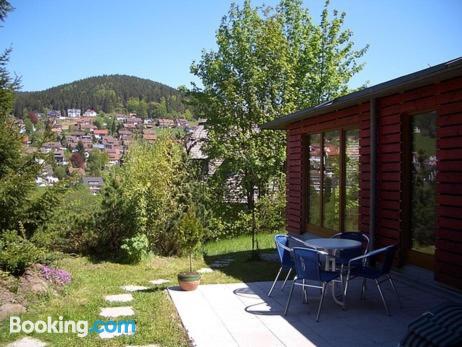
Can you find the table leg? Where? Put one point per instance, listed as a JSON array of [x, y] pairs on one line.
[[330, 266]]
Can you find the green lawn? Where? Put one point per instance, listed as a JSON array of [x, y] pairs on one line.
[[155, 316]]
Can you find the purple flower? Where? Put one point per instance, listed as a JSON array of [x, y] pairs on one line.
[[57, 276]]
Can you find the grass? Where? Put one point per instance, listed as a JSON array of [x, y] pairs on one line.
[[155, 315]]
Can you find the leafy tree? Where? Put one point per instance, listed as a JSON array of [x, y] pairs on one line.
[[80, 149], [96, 162], [17, 172], [269, 62], [77, 160], [59, 171], [22, 206]]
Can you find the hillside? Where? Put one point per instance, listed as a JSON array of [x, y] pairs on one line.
[[107, 93]]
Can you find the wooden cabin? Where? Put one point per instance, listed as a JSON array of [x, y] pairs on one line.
[[386, 161]]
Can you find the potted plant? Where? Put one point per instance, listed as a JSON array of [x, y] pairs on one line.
[[190, 232]]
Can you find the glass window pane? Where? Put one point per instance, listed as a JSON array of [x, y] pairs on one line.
[[423, 188], [331, 174], [351, 180], [314, 187]]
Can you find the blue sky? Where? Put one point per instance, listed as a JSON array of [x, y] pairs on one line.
[[56, 42]]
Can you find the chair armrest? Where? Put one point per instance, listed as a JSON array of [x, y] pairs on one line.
[[306, 243], [361, 257], [369, 255]]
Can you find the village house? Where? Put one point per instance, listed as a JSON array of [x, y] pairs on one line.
[[73, 112], [149, 135], [99, 133], [114, 154], [181, 123], [386, 161], [60, 157], [165, 123], [57, 128], [54, 114], [90, 113], [134, 120], [87, 141], [93, 183]]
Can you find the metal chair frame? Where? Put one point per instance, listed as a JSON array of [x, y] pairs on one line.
[[365, 238], [304, 285], [278, 244], [378, 281]]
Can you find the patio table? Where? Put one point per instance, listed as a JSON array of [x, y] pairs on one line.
[[331, 246]]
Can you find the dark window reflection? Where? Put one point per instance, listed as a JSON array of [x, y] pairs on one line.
[[314, 203], [331, 191], [423, 190], [352, 180]]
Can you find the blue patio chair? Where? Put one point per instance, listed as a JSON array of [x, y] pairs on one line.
[[285, 257], [344, 256], [360, 267], [308, 267]]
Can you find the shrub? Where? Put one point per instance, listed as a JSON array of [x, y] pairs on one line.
[[71, 227], [135, 248], [17, 253]]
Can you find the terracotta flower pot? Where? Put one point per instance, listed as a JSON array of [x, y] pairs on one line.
[[189, 280]]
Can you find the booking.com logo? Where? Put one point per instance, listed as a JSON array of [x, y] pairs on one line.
[[81, 327]]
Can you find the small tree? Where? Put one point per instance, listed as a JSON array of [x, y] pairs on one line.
[[190, 233]]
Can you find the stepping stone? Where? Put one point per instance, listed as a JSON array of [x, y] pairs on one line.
[[133, 288], [27, 342], [159, 281], [107, 335], [205, 270], [113, 312], [119, 298]]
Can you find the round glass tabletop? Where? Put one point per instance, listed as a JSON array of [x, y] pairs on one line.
[[333, 243]]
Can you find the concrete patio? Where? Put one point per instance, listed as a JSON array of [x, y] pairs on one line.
[[241, 314]]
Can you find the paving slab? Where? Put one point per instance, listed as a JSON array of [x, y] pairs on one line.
[[119, 298], [134, 288], [159, 281], [108, 335], [241, 314], [120, 311], [205, 270], [27, 342]]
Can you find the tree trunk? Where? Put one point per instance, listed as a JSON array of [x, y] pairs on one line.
[[251, 206]]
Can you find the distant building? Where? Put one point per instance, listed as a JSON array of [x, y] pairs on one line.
[[59, 157], [165, 123], [54, 114], [93, 183], [90, 113], [73, 112], [181, 123], [99, 133], [149, 135], [135, 121], [57, 128]]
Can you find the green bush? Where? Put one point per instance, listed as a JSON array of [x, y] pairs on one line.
[[71, 228], [17, 253], [135, 248]]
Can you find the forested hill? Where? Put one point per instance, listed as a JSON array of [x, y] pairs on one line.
[[107, 93]]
